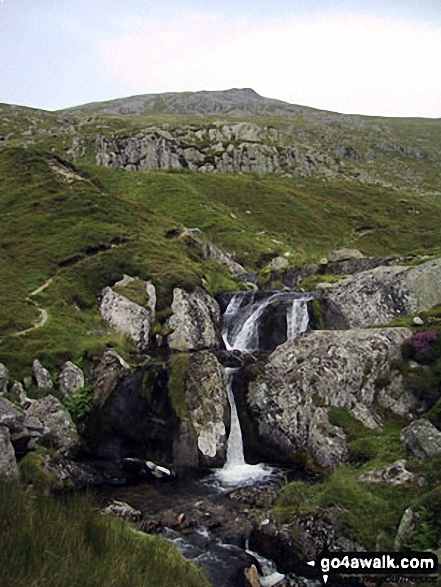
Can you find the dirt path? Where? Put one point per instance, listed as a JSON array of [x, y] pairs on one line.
[[43, 313]]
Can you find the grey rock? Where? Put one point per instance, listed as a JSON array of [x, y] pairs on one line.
[[394, 474], [126, 317], [421, 439], [344, 255], [382, 294], [418, 321], [17, 388], [326, 442], [279, 263], [110, 370], [59, 430], [195, 321], [4, 378], [303, 378], [123, 510], [208, 408], [42, 376], [71, 379], [224, 259], [10, 416], [8, 462], [407, 525]]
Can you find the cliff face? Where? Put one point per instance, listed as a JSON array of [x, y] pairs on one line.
[[241, 147]]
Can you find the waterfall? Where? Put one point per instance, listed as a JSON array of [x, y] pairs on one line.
[[236, 471], [297, 318], [243, 313], [241, 332]]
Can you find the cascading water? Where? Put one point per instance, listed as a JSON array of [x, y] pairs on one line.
[[241, 332], [236, 471], [241, 320]]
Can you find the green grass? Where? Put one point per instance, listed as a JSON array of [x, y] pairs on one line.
[[48, 542], [88, 232]]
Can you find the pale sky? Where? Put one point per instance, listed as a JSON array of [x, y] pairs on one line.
[[378, 57]]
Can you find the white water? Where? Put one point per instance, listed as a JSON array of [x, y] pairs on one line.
[[297, 318], [241, 321], [236, 471], [241, 332]]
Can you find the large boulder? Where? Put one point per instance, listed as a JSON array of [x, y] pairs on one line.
[[290, 398], [126, 317], [106, 375], [42, 376], [421, 439], [208, 408], [59, 430], [71, 379], [195, 321], [8, 462], [382, 294], [4, 378]]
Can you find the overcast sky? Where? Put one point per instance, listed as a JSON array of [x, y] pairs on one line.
[[379, 57]]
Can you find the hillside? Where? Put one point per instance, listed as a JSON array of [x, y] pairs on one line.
[[71, 211]]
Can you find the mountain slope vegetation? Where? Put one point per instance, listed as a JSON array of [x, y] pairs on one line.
[[85, 225]]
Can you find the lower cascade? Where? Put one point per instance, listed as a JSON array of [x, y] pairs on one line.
[[242, 330], [236, 471]]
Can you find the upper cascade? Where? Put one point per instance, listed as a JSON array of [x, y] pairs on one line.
[[253, 321]]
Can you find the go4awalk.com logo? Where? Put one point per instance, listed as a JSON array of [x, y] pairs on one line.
[[397, 564]]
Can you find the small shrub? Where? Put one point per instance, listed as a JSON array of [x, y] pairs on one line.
[[419, 347], [80, 405]]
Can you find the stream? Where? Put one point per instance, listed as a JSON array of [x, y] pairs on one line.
[[211, 518]]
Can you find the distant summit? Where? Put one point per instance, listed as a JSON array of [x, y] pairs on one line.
[[234, 102]]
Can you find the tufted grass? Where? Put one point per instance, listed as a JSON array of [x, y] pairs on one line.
[[64, 542]]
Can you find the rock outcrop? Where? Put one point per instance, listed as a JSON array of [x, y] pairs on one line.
[[42, 376], [71, 379], [421, 439], [208, 409], [394, 474], [106, 375], [59, 430], [4, 378], [8, 462], [289, 400], [242, 147], [126, 317], [382, 294], [195, 321]]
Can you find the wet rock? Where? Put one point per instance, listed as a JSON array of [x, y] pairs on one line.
[[4, 378], [133, 418], [195, 321], [382, 294], [252, 577], [59, 430], [71, 379], [8, 462], [73, 475], [126, 317], [42, 376], [290, 396], [395, 474], [123, 510], [421, 439]]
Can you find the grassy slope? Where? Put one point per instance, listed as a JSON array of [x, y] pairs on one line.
[[65, 542], [105, 222]]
